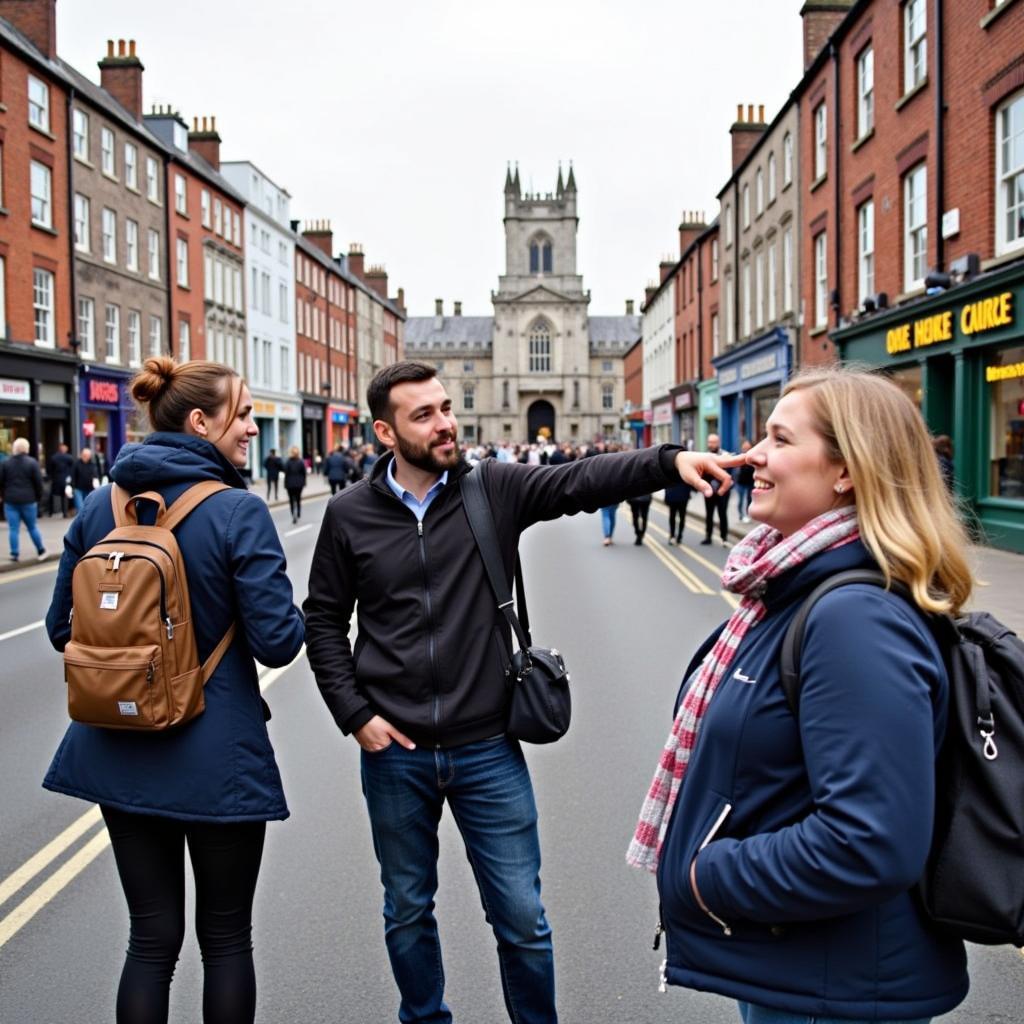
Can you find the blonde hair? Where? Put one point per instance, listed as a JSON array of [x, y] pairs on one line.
[[293, 452], [20, 446], [169, 391], [907, 519]]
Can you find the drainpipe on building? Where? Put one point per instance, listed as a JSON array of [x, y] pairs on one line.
[[837, 195], [700, 316], [172, 339], [73, 334], [940, 161], [735, 262]]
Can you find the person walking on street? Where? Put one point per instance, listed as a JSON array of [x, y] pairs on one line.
[[273, 466], [426, 702], [718, 500], [212, 783], [339, 468], [85, 477], [21, 488], [640, 507], [744, 485], [59, 469], [295, 482], [677, 497]]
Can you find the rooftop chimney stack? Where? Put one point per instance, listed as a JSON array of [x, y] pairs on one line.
[[121, 76], [34, 19], [438, 307], [821, 18], [320, 234], [205, 142], [691, 227], [457, 309], [377, 279], [745, 133], [355, 260], [629, 307]]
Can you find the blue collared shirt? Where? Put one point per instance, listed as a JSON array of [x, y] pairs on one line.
[[408, 499]]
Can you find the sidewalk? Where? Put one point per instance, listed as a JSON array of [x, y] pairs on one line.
[[52, 528]]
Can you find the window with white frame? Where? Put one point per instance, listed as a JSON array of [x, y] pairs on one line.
[[714, 259], [134, 337], [820, 141], [112, 333], [204, 207], [759, 192], [87, 327], [282, 301], [107, 164], [108, 230], [759, 289], [607, 396], [866, 251], [265, 294], [746, 206], [180, 194], [772, 282], [153, 245], [131, 166], [730, 317], [787, 159], [865, 92], [821, 280], [746, 297], [540, 348], [182, 265], [772, 182], [915, 44], [152, 180], [915, 227], [716, 340], [1010, 175], [787, 270], [468, 397], [208, 292], [82, 233], [286, 367], [218, 216], [80, 134], [42, 307], [236, 223], [156, 335], [131, 244], [728, 225], [38, 103], [42, 195], [184, 341]]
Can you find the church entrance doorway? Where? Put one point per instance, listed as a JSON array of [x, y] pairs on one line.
[[540, 420]]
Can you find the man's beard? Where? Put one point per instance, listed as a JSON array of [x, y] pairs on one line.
[[427, 457]]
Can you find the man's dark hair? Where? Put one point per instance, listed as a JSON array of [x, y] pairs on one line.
[[378, 394]]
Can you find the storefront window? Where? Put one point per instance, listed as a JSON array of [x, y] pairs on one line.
[[910, 382], [1004, 375], [764, 402], [10, 428]]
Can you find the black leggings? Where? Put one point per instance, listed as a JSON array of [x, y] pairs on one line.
[[676, 519], [225, 862], [295, 501]]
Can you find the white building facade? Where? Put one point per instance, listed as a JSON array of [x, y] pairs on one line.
[[658, 326]]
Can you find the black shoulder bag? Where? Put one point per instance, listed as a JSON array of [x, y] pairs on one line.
[[539, 702]]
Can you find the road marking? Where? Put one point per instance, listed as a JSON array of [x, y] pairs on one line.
[[53, 849], [729, 599], [23, 574], [299, 529], [75, 865], [683, 575], [18, 632]]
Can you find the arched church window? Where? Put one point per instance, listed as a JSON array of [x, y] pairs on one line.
[[534, 258], [541, 256], [540, 347], [546, 253]]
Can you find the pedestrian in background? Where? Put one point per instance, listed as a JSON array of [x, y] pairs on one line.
[[744, 485], [59, 468], [273, 467], [790, 844], [211, 784], [338, 468], [608, 514], [943, 447], [717, 501], [85, 477], [295, 482], [21, 488], [640, 508], [677, 497]]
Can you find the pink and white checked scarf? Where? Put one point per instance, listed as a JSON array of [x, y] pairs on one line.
[[760, 556]]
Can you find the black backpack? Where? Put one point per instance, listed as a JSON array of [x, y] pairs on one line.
[[973, 885]]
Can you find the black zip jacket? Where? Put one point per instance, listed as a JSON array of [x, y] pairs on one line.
[[21, 482], [432, 647]]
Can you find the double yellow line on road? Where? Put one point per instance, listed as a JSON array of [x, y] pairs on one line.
[[686, 576], [17, 918]]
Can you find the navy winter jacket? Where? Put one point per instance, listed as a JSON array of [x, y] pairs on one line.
[[809, 836], [220, 766]]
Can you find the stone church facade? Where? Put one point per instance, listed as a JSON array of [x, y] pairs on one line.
[[541, 365]]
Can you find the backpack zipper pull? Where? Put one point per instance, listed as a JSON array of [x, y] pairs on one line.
[[170, 628], [658, 932], [150, 672]]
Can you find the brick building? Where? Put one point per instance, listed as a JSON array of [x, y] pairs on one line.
[[37, 364]]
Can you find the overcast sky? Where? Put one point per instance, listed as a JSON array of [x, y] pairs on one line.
[[396, 120]]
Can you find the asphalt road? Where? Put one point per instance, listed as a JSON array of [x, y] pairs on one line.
[[627, 619]]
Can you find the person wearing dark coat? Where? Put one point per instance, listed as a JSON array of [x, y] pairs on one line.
[[212, 783], [338, 468], [294, 482], [640, 507], [274, 466], [59, 468], [788, 844], [21, 488], [677, 497], [85, 477]]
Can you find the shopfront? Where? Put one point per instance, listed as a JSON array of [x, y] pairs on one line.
[[661, 421], [109, 418], [314, 418], [36, 402], [960, 356], [684, 410], [750, 381], [341, 418], [707, 423]]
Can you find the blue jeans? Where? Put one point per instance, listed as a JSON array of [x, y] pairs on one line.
[[608, 519], [743, 494], [16, 515], [79, 499], [750, 1013], [487, 785]]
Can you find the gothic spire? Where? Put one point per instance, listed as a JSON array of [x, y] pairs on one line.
[[570, 185], [509, 187], [560, 187], [515, 180]]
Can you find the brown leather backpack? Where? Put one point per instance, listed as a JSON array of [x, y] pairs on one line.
[[132, 662]]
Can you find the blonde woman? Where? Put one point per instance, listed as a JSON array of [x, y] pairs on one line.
[[787, 847]]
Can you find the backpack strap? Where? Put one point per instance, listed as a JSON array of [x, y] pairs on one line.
[[792, 642], [217, 653], [188, 501], [125, 510]]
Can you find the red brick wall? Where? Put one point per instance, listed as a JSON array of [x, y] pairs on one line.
[[633, 375], [710, 303]]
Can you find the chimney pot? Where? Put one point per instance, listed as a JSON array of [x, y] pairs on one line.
[[213, 123], [110, 47], [120, 48], [739, 112], [760, 113], [439, 307], [458, 309], [629, 307], [750, 112], [131, 47]]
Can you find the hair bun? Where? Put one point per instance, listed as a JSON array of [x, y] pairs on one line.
[[153, 379]]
